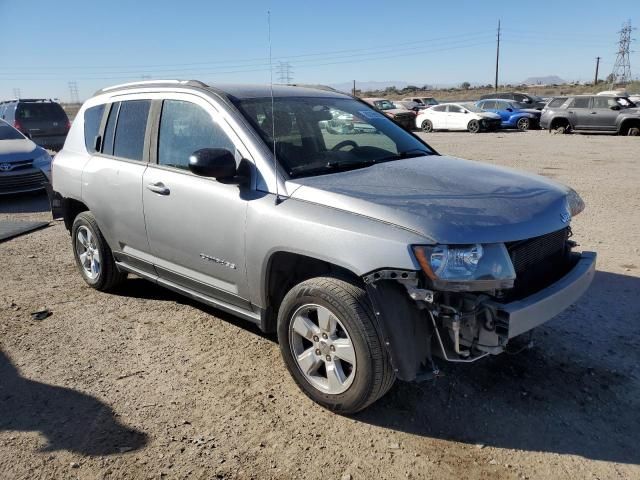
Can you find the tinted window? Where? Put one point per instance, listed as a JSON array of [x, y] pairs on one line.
[[556, 102], [107, 141], [455, 109], [520, 98], [439, 108], [92, 118], [132, 124], [41, 111], [604, 102], [7, 132], [185, 128], [580, 102]]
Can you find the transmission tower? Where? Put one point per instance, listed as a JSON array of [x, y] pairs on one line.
[[621, 73], [73, 92], [285, 72], [16, 93]]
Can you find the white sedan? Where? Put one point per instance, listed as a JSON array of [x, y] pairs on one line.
[[457, 116]]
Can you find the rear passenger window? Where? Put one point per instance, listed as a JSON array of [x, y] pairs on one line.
[[489, 105], [92, 119], [556, 102], [184, 128], [130, 132], [580, 102], [439, 108]]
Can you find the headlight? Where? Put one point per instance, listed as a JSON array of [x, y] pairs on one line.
[[575, 202], [464, 268]]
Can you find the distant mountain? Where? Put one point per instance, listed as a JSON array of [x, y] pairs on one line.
[[366, 86], [548, 80]]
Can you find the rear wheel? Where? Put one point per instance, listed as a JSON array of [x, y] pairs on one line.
[[330, 345], [427, 126], [633, 131], [523, 124], [473, 126], [93, 255]]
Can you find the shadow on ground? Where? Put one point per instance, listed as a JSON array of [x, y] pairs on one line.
[[35, 202], [68, 419]]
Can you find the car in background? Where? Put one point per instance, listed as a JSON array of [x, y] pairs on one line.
[[42, 120], [532, 101], [596, 113], [512, 114], [410, 106], [457, 116], [24, 166], [343, 123], [406, 119], [426, 101]]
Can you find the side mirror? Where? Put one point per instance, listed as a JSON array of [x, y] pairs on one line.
[[218, 163], [615, 107], [509, 109]]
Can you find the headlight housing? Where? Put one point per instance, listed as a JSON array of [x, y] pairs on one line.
[[575, 202], [465, 268]]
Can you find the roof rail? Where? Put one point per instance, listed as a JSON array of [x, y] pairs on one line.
[[192, 83]]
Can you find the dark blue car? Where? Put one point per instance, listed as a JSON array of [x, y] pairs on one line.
[[512, 114]]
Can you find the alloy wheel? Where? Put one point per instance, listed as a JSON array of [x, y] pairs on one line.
[[87, 252]]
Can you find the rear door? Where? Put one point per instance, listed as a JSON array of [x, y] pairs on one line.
[[579, 112], [438, 116], [42, 119], [112, 179], [601, 116]]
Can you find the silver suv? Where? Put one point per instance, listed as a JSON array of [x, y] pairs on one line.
[[368, 253]]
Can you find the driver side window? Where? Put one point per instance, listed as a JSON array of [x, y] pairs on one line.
[[184, 128]]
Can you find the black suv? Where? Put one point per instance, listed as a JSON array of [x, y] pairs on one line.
[[531, 101], [44, 121], [600, 113]]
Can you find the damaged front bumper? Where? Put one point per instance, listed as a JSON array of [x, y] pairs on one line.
[[418, 324]]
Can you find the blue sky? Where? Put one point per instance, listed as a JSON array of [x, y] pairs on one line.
[[47, 44]]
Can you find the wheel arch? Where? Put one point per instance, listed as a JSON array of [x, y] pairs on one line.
[[70, 210], [558, 121], [627, 123]]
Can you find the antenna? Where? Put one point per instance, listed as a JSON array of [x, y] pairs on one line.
[[273, 116]]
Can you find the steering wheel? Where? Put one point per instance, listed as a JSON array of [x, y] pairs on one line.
[[344, 143]]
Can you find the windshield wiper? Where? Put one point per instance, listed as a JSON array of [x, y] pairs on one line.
[[332, 166], [412, 153]]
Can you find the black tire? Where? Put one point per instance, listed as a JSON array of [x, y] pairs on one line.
[[427, 126], [633, 131], [523, 124], [109, 276], [374, 375], [473, 126]]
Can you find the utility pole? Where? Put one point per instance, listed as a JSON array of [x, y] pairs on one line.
[[73, 92], [621, 73], [353, 90], [497, 55], [595, 82]]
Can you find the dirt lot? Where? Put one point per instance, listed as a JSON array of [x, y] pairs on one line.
[[146, 384]]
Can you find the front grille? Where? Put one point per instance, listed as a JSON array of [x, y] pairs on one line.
[[21, 165], [539, 261], [18, 183]]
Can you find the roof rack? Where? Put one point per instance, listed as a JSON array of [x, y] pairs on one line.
[[154, 83]]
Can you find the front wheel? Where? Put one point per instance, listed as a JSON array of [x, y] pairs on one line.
[[473, 126], [93, 255], [427, 126], [330, 345], [523, 124]]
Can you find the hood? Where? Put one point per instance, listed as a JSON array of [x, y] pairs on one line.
[[445, 199], [490, 115], [16, 150], [530, 110]]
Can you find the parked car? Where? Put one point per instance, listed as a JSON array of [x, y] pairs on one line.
[[343, 123], [44, 121], [404, 118], [532, 101], [410, 106], [512, 114], [427, 101], [457, 116], [601, 113], [24, 166], [369, 257]]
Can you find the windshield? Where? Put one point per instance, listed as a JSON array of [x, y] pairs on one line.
[[472, 108], [7, 132], [315, 136], [384, 105]]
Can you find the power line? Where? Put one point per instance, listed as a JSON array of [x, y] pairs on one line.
[[621, 73]]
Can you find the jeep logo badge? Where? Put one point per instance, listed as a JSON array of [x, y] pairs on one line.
[[6, 167]]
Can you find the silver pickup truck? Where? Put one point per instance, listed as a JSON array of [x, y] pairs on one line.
[[372, 256]]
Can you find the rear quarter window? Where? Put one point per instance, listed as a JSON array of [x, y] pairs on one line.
[[556, 102], [92, 120]]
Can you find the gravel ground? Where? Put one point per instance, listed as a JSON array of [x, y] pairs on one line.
[[146, 384]]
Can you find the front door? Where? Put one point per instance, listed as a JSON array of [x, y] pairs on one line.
[[601, 116], [195, 224]]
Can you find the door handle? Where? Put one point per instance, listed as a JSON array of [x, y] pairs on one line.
[[594, 113], [158, 187]]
